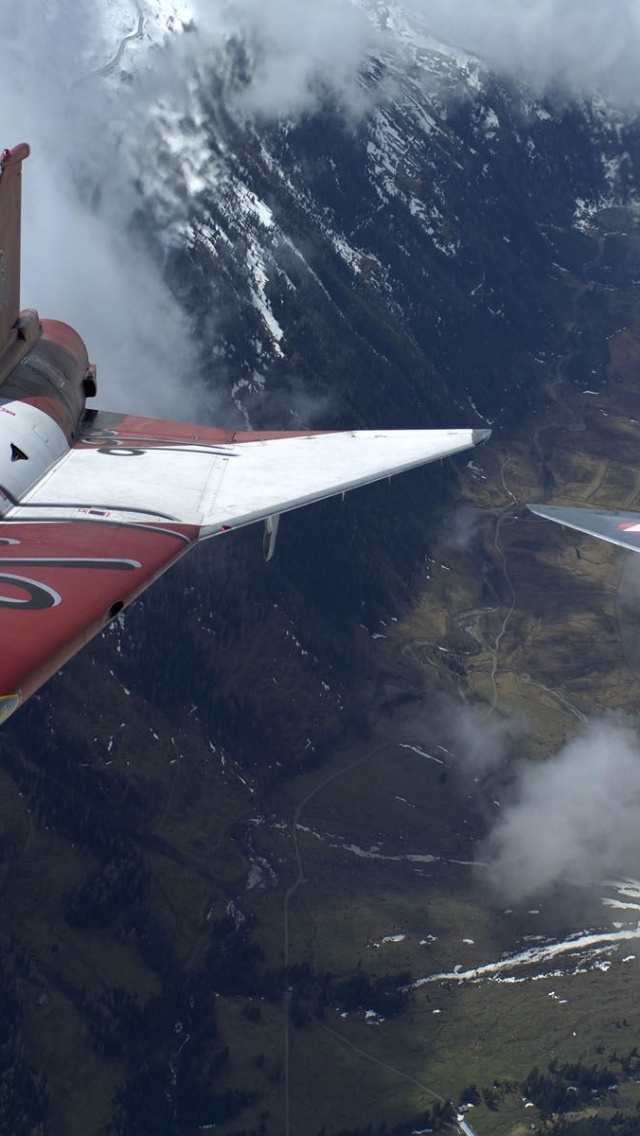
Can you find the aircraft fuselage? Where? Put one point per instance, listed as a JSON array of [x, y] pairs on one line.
[[42, 403]]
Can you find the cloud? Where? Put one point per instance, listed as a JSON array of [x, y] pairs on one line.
[[479, 744], [296, 49], [112, 143], [574, 817], [462, 527], [81, 260], [585, 46]]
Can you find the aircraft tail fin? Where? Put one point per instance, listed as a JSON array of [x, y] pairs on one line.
[[17, 332], [10, 210], [613, 525]]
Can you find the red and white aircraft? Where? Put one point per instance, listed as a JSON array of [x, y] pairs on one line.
[[95, 506]]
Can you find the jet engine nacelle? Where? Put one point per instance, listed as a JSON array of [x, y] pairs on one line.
[[44, 399], [32, 443]]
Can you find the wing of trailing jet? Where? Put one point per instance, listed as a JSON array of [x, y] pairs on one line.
[[132, 495], [613, 525]]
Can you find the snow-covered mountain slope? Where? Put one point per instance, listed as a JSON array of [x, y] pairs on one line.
[[409, 256]]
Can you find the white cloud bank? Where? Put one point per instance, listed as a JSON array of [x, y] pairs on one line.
[[586, 46], [296, 48], [81, 263], [583, 46], [94, 143], [574, 818]]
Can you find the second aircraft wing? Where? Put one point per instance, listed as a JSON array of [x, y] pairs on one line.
[[613, 525]]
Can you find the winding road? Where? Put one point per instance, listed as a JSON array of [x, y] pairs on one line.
[[111, 65]]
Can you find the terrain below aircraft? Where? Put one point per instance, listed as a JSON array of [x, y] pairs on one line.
[[94, 506]]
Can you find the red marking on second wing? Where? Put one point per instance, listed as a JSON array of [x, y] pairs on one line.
[[36, 643], [150, 431]]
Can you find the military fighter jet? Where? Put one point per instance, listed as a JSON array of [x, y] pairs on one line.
[[94, 506]]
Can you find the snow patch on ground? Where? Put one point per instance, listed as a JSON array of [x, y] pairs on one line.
[[584, 950], [421, 752], [373, 854]]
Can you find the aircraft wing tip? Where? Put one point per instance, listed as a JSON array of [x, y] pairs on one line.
[[563, 514], [545, 511], [479, 436], [8, 703]]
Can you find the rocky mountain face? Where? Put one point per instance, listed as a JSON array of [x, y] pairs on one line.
[[406, 265], [427, 260]]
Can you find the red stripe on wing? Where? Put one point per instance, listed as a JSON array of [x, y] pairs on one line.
[[61, 582], [112, 430]]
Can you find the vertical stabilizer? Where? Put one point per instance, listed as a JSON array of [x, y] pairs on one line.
[[10, 207], [18, 331]]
